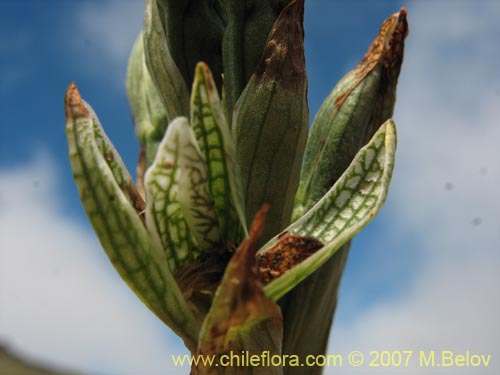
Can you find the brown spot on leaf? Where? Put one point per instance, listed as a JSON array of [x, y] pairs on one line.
[[109, 156], [168, 165], [286, 254]]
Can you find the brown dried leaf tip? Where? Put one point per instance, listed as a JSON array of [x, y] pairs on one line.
[[388, 44], [387, 48], [286, 254], [73, 103], [283, 56]]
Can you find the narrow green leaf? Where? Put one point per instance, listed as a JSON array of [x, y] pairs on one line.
[[148, 111], [105, 191], [347, 207], [193, 30], [149, 114], [213, 136], [271, 121], [162, 67], [244, 39], [179, 207], [115, 162]]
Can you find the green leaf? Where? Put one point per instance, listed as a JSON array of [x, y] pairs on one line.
[[114, 162], [179, 208], [194, 31], [148, 112], [271, 121], [358, 105], [244, 39], [346, 121], [213, 136], [162, 67], [346, 208], [107, 194]]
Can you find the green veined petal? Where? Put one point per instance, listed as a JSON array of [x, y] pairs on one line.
[[214, 138], [179, 208], [346, 208], [105, 194], [196, 202]]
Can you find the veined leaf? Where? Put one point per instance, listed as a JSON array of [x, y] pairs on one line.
[[115, 162], [361, 102], [349, 117], [105, 191], [179, 208], [214, 138], [344, 210]]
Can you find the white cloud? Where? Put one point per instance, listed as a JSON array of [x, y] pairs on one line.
[[60, 299], [444, 194]]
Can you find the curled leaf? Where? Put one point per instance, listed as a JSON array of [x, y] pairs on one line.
[[346, 208]]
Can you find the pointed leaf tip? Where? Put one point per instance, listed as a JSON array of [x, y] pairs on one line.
[[73, 103], [270, 149], [285, 43], [387, 48], [258, 221], [248, 252]]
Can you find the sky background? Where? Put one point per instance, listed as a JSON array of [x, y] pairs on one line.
[[423, 275]]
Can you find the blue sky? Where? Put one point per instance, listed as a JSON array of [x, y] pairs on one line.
[[422, 275]]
